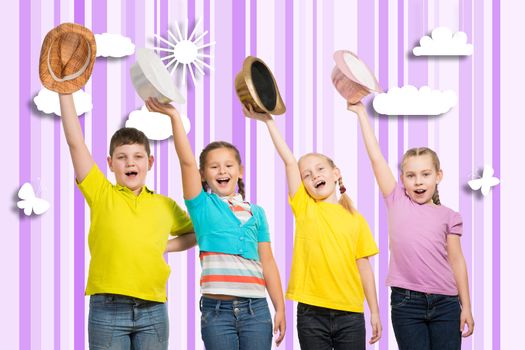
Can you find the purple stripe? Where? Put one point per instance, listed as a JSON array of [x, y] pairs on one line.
[[253, 123], [465, 146], [163, 145], [56, 217], [417, 67], [223, 76], [79, 234], [238, 55], [314, 77], [24, 146], [289, 90], [496, 164], [328, 94], [478, 295], [191, 253], [207, 94], [400, 72], [383, 143]]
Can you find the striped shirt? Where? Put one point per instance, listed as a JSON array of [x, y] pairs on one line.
[[229, 274]]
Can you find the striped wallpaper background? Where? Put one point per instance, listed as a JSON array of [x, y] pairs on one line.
[[45, 259]]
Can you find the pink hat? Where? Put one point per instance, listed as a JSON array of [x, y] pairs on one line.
[[352, 78]]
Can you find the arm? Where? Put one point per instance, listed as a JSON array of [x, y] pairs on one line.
[[292, 169], [181, 243], [273, 285], [191, 178], [369, 286], [384, 177], [82, 159], [459, 268]]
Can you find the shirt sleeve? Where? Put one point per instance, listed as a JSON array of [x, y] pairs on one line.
[[366, 246], [299, 201], [181, 221], [93, 184], [195, 202], [263, 232], [394, 195], [455, 224]]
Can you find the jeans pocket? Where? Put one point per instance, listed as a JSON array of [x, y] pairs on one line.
[[159, 318], [101, 323], [398, 299], [303, 309]]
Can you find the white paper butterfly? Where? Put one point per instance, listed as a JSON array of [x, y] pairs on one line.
[[486, 182], [29, 202]]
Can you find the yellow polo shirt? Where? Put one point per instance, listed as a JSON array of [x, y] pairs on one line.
[[328, 241], [127, 237]]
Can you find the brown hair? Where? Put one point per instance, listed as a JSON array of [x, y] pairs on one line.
[[421, 151], [216, 145], [128, 136], [344, 200]]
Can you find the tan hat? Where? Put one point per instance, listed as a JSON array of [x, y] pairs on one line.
[[352, 78], [67, 58], [255, 85]]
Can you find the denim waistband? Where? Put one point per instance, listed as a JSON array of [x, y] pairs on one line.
[[412, 293], [122, 299]]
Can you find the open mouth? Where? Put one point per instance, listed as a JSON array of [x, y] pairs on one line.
[[223, 181], [131, 173], [420, 191], [320, 184]]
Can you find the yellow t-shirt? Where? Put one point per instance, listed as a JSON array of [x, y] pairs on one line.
[[328, 241], [127, 237]]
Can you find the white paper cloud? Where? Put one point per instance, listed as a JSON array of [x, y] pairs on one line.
[[408, 100], [443, 43], [156, 126], [114, 45], [47, 101]]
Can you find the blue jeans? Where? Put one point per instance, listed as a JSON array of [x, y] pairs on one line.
[[121, 322], [320, 328], [242, 323], [425, 321]]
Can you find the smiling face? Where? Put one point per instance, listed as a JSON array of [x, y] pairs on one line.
[[130, 163], [221, 171], [420, 177], [319, 177]]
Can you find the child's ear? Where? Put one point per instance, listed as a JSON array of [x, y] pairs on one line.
[[439, 176], [151, 159], [241, 172], [110, 163], [337, 173]]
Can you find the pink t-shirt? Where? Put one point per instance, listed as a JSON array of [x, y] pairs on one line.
[[418, 244]]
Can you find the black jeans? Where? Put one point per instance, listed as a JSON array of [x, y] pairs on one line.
[[320, 328], [425, 321]]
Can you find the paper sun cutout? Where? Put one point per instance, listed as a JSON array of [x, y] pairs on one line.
[[113, 45], [486, 182], [408, 100], [29, 202], [47, 101], [156, 126], [185, 51], [443, 43]]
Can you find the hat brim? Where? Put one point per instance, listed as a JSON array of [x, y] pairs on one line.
[[50, 60], [256, 85], [151, 78]]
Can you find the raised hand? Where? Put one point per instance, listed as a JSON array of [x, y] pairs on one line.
[[165, 108], [250, 113]]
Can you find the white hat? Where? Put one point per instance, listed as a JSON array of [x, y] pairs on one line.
[[151, 78]]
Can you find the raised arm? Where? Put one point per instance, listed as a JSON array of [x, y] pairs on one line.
[[80, 155], [292, 169], [191, 178], [384, 177]]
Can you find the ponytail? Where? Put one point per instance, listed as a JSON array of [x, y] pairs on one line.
[[345, 200], [435, 197], [240, 185]]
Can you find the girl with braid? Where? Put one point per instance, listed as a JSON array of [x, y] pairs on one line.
[[330, 274], [427, 272], [235, 252]]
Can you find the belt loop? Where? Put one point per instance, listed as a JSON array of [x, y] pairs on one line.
[[217, 306], [407, 293], [200, 304], [250, 306]]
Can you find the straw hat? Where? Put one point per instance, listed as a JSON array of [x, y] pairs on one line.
[[256, 85], [67, 58], [151, 78], [352, 78]]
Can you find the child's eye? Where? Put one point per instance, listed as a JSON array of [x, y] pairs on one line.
[[306, 176]]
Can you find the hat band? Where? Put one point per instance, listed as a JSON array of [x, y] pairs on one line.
[[71, 76]]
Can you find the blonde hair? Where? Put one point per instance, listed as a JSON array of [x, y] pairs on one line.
[[344, 200], [421, 151]]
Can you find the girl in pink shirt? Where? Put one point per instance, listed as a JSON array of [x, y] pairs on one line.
[[427, 271]]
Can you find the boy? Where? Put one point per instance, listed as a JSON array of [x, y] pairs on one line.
[[127, 237]]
